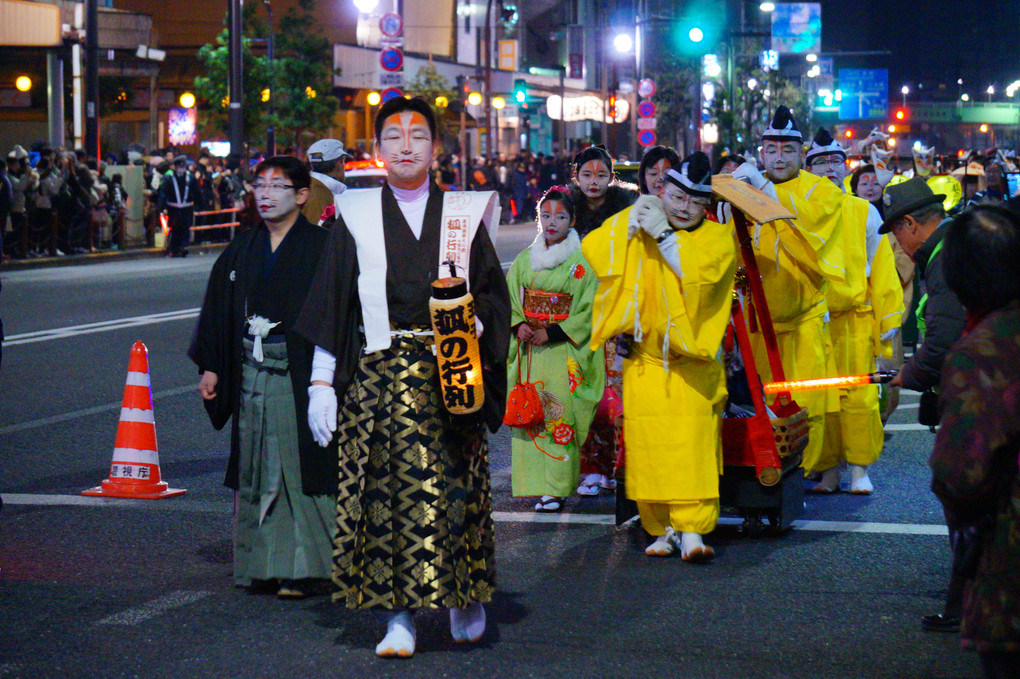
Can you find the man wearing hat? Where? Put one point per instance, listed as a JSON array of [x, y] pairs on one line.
[[665, 279], [797, 265], [865, 309], [178, 195], [917, 219], [915, 216], [326, 159]]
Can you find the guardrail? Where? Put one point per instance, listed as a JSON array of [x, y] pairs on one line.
[[220, 225]]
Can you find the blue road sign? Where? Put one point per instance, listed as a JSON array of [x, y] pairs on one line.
[[865, 93], [390, 93], [646, 138], [391, 59], [646, 109]]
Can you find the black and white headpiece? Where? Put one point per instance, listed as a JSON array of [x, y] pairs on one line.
[[823, 145], [783, 127], [694, 175]]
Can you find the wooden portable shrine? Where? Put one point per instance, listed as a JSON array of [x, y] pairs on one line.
[[762, 475]]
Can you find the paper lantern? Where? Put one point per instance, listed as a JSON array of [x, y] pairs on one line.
[[452, 310]]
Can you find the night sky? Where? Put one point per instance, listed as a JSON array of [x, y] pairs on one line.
[[932, 42]]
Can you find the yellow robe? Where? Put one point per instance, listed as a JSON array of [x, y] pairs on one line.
[[797, 264], [855, 432], [674, 383]]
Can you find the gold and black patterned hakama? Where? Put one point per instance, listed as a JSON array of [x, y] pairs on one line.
[[414, 507]]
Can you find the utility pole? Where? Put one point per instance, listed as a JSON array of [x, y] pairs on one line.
[[92, 78], [235, 119], [270, 130]]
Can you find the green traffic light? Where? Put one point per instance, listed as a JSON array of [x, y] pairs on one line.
[[520, 96], [696, 34]]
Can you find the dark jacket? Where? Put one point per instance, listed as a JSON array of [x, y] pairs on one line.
[[974, 467], [219, 335], [944, 318], [619, 197]]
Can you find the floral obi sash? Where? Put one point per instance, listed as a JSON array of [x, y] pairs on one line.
[[542, 309]]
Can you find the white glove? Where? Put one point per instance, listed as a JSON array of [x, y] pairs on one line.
[[322, 413], [747, 172], [889, 334], [651, 216]]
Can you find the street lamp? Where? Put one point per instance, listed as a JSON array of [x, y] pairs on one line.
[[904, 91], [964, 97], [187, 100], [23, 83], [990, 91], [366, 6], [623, 43], [767, 6]]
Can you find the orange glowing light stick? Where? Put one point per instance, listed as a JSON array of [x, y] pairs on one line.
[[880, 377]]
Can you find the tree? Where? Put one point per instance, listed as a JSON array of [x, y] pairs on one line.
[[299, 79], [429, 84]]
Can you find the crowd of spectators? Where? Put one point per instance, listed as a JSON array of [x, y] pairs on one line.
[[55, 202]]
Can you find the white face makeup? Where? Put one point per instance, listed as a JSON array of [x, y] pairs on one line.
[[868, 187], [275, 196], [406, 147], [655, 176], [554, 220], [593, 177], [831, 165], [781, 159], [683, 210]]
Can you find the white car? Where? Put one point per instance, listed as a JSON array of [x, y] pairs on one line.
[[364, 174]]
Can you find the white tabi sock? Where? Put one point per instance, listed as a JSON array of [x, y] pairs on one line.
[[399, 639], [467, 625]]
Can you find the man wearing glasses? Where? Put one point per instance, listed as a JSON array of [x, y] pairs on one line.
[[665, 279], [865, 309], [255, 371]]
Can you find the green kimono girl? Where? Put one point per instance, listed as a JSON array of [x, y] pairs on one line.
[[551, 292]]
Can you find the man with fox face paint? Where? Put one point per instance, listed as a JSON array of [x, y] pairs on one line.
[[413, 510], [665, 278], [864, 317], [255, 371], [798, 259]]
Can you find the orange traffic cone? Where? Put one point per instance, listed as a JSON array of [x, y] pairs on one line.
[[134, 472]]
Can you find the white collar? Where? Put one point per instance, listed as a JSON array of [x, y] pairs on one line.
[[335, 187], [411, 195], [549, 257]]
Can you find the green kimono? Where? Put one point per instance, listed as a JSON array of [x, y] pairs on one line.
[[546, 459]]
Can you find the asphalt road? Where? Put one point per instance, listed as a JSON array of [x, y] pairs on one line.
[[114, 588]]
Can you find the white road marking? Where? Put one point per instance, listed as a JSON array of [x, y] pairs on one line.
[[501, 517], [101, 326], [158, 606], [87, 412], [906, 427]]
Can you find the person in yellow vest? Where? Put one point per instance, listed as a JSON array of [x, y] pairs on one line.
[[797, 259], [864, 316], [666, 279]]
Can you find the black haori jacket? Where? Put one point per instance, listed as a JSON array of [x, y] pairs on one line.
[[217, 345], [332, 312]]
